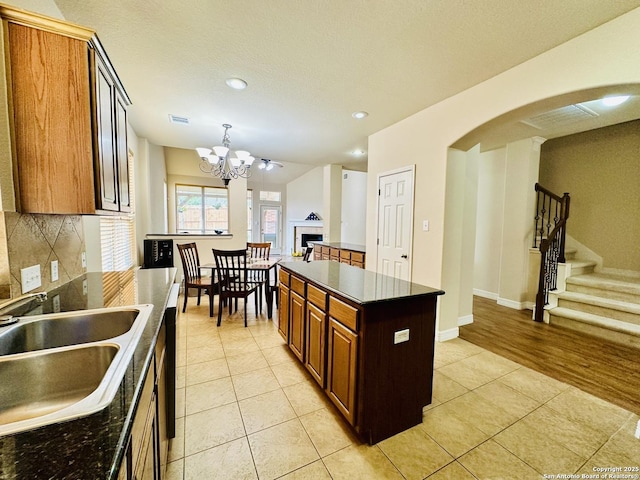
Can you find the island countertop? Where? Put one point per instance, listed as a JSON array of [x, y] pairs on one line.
[[91, 447], [356, 284]]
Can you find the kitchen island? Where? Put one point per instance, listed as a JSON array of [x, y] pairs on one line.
[[367, 340], [95, 446]]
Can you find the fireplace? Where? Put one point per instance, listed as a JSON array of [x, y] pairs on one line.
[[309, 237], [298, 228]]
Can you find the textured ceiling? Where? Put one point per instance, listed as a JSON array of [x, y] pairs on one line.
[[311, 63]]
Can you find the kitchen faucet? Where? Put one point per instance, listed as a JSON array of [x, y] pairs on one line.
[[14, 302]]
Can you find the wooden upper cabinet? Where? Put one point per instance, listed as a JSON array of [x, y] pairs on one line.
[[67, 114], [52, 133]]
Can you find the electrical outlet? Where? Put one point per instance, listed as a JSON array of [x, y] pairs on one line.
[[84, 259], [56, 303], [401, 336], [30, 277], [54, 270]]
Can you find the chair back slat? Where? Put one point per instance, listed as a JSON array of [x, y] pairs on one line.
[[190, 261], [258, 250]]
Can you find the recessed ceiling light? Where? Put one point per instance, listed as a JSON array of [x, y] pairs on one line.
[[236, 83], [359, 115], [359, 153], [614, 101]]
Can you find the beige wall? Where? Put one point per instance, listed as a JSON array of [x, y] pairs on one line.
[[490, 214], [601, 171], [425, 137]]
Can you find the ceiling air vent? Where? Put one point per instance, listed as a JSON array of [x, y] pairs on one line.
[[560, 117], [178, 120]]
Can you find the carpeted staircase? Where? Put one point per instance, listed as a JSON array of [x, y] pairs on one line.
[[604, 305]]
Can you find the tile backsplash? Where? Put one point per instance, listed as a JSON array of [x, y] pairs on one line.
[[35, 239]]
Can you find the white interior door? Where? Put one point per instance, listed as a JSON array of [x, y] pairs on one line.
[[395, 223], [271, 226]]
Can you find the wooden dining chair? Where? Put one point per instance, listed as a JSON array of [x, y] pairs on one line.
[[231, 267], [307, 254], [259, 251], [193, 277]]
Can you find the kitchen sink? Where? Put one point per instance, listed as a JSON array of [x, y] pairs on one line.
[[60, 366], [64, 329], [37, 385]]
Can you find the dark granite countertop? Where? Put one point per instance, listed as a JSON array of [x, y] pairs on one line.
[[342, 246], [356, 284], [91, 447]]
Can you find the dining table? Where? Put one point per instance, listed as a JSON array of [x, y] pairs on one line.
[[258, 265]]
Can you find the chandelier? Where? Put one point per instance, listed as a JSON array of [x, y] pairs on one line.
[[218, 163]]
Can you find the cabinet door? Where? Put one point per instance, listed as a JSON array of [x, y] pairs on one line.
[[283, 312], [106, 163], [50, 118], [316, 340], [122, 156], [161, 414], [342, 358], [296, 335]]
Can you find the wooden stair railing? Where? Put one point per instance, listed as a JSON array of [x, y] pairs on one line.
[[552, 212]]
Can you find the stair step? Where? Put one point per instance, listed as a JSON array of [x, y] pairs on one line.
[[614, 287], [596, 325], [602, 306], [581, 267]]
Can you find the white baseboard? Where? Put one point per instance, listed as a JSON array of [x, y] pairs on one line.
[[485, 294], [466, 320], [449, 334], [505, 302]]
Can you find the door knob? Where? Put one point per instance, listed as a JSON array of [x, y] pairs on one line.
[[403, 256]]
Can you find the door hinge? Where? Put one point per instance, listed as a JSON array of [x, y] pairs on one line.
[[378, 192]]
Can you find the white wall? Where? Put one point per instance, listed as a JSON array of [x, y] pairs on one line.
[[354, 207], [304, 195], [424, 138], [490, 212]]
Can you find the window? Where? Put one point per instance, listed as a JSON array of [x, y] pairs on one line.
[[117, 239], [270, 196], [249, 216], [201, 209]]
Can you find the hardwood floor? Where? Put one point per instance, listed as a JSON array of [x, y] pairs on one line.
[[605, 369]]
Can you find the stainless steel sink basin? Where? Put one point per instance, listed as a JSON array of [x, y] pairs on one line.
[[64, 329], [37, 385], [55, 367]]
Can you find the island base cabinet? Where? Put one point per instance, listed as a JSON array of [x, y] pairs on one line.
[[296, 334], [342, 353], [315, 347], [371, 352], [283, 312]]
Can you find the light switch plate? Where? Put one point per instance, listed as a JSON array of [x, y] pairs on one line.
[[30, 278], [84, 259], [401, 336], [425, 225]]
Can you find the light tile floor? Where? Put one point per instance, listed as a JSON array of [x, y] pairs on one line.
[[247, 409]]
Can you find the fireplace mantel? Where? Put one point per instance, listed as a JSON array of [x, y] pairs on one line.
[[298, 227]]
